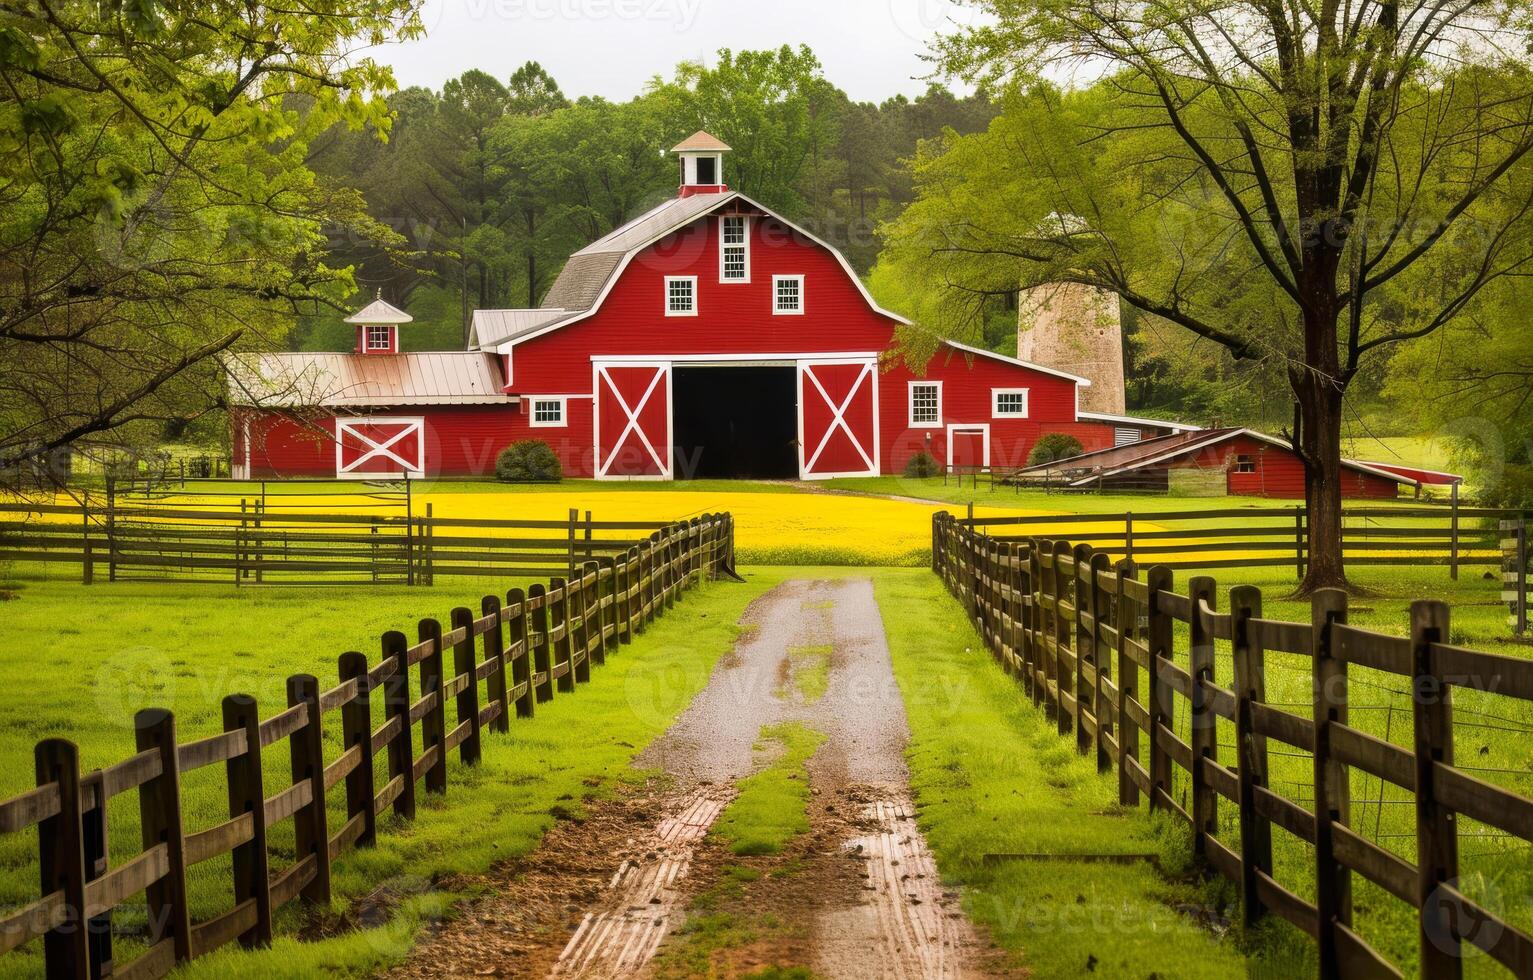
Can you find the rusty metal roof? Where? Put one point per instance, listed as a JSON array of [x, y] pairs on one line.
[[291, 380]]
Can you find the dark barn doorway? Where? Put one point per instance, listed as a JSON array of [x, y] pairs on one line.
[[735, 422]]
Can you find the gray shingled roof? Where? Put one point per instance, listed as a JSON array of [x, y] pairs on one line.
[[581, 281], [304, 379]]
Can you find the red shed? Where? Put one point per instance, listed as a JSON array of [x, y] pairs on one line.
[[707, 337], [1252, 464]]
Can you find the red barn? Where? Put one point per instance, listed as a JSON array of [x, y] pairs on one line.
[[707, 337], [1250, 463]]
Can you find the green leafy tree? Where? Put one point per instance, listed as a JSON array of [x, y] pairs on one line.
[[1307, 185], [156, 208]]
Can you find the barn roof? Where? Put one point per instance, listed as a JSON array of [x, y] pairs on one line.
[[1137, 420], [378, 313], [304, 379], [490, 327], [589, 274], [1165, 450]]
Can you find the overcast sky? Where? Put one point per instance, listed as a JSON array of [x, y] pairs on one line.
[[870, 48]]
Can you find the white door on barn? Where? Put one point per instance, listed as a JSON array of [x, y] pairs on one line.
[[380, 448], [632, 424], [838, 419]]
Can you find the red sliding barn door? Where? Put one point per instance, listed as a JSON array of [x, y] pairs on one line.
[[838, 419], [376, 448], [633, 420]]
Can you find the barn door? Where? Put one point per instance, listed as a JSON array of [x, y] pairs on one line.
[[633, 421], [377, 448], [838, 419]]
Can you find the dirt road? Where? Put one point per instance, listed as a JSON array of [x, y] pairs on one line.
[[641, 888]]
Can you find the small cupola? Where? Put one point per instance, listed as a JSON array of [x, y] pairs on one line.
[[378, 326], [702, 164]]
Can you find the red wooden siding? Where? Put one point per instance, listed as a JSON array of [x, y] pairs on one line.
[[1280, 473]]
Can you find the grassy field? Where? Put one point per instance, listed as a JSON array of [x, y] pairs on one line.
[[83, 659]]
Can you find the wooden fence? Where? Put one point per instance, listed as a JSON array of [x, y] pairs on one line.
[[511, 656], [1077, 632], [279, 540], [1515, 560], [1273, 537]]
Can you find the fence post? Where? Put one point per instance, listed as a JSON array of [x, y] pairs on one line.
[[537, 639], [1037, 644], [578, 626], [357, 732], [598, 609], [306, 750], [495, 654], [61, 860], [1101, 707], [93, 830], [632, 599], [159, 809], [111, 529], [1202, 734], [1520, 583], [247, 794], [396, 704], [1065, 678], [1081, 596], [574, 521], [1333, 883], [1436, 829], [88, 563], [428, 534], [1161, 709], [1298, 541], [434, 721], [559, 623], [521, 660], [1128, 536], [1250, 747], [465, 672], [1453, 537], [1126, 621]]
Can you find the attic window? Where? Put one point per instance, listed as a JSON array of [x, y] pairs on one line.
[[681, 296], [734, 257], [788, 294], [707, 170], [378, 338], [1245, 464]]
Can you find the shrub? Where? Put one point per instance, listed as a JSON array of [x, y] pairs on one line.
[[1514, 490], [529, 461], [922, 465], [1052, 448]]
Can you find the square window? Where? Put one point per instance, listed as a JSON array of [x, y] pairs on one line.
[[734, 261], [1245, 464], [680, 295], [925, 403], [1010, 403], [788, 294], [378, 339], [547, 412]]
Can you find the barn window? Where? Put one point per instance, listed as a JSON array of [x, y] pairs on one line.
[[1009, 403], [734, 257], [925, 403], [788, 294], [707, 170], [1245, 464], [378, 339], [547, 412], [680, 295]]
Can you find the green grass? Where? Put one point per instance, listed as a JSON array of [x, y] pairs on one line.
[[82, 659], [769, 810], [811, 671], [992, 777]]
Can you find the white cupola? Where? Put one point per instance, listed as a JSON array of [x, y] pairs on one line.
[[378, 326], [702, 164]]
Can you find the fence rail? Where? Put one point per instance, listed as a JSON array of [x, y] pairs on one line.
[[267, 542], [1093, 644], [450, 685], [1273, 537]]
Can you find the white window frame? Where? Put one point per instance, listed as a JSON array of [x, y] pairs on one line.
[[564, 411], [367, 337], [777, 310], [745, 246], [995, 403], [1244, 459], [910, 404], [667, 298]]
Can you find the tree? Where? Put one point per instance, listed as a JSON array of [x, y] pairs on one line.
[[1301, 182], [155, 205], [533, 92]]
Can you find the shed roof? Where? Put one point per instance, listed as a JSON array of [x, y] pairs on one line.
[[490, 327], [292, 380]]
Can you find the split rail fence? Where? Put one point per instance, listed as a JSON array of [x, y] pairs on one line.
[[439, 693], [1077, 631]]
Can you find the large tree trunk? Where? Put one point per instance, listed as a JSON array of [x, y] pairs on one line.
[[1319, 439]]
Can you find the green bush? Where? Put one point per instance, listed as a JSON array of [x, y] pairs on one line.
[[529, 461], [1514, 490], [922, 465], [1052, 448]]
